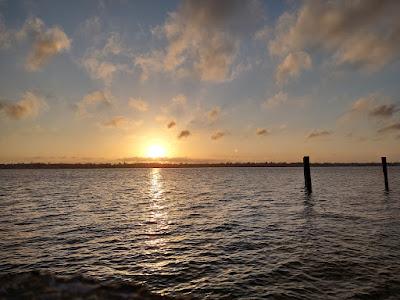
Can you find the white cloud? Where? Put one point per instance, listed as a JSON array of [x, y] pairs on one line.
[[364, 34], [203, 39]]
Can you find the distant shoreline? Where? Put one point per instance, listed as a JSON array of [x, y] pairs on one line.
[[177, 165]]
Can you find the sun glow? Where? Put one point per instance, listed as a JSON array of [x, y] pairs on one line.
[[156, 151]]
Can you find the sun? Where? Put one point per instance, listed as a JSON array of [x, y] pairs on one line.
[[156, 151]]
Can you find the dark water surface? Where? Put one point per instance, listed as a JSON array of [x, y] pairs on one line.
[[215, 233]]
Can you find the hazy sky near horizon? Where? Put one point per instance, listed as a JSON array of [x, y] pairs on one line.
[[203, 80]]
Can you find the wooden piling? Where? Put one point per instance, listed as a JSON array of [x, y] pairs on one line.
[[385, 173], [307, 174]]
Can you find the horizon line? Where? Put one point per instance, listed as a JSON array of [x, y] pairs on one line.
[[88, 165]]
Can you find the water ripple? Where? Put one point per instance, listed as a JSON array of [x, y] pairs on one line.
[[215, 233]]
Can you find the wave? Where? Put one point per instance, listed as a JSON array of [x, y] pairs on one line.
[[39, 285]]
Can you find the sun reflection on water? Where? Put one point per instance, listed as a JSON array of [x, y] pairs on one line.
[[158, 217]]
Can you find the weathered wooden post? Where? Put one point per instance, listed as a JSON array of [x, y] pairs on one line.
[[385, 173], [307, 173]]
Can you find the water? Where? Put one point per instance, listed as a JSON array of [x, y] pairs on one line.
[[214, 233]]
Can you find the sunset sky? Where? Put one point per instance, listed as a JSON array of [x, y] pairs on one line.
[[225, 80]]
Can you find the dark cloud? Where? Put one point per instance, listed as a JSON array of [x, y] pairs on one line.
[[262, 131], [171, 124], [184, 134], [395, 127], [384, 110], [214, 114], [218, 135], [319, 133], [115, 122], [372, 106]]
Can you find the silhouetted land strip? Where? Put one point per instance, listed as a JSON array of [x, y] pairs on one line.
[[177, 165]]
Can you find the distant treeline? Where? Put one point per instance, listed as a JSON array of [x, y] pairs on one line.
[[176, 165]]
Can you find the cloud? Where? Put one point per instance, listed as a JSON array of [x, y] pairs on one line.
[[115, 122], [138, 104], [103, 63], [176, 108], [262, 131], [292, 65], [46, 42], [184, 134], [98, 69], [214, 114], [276, 100], [171, 124], [263, 34], [6, 36], [179, 100], [150, 63], [30, 105], [90, 27], [384, 110], [203, 39], [218, 135], [395, 127], [364, 34], [319, 133], [371, 106], [94, 99]]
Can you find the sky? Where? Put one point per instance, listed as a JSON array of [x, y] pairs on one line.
[[199, 81]]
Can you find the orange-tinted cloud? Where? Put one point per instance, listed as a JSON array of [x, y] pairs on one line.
[[47, 42], [138, 104], [292, 65], [28, 106], [93, 100]]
